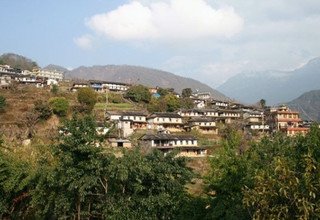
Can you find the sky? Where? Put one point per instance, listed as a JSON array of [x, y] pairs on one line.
[[207, 40]]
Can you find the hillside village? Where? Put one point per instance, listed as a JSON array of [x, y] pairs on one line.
[[192, 130]]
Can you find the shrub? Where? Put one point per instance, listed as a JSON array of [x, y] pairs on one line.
[[3, 103], [59, 106], [55, 89], [87, 97], [43, 108]]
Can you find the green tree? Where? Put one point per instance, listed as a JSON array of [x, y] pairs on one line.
[[163, 92], [3, 103], [16, 182], [157, 105], [173, 102], [59, 105], [228, 175], [147, 187], [54, 89], [138, 93], [186, 93], [43, 109], [87, 97], [75, 187], [262, 103], [186, 103], [289, 188]]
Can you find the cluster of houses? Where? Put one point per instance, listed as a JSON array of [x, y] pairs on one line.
[[168, 131], [36, 77]]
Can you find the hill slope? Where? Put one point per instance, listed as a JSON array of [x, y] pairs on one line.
[[274, 86], [308, 104], [52, 67], [18, 61], [142, 75]]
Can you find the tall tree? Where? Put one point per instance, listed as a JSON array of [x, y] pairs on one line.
[[262, 103], [73, 186], [87, 97], [138, 93], [186, 93]]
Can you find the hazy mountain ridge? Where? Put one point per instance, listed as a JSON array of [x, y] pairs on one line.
[[142, 75], [274, 86], [53, 67], [308, 104]]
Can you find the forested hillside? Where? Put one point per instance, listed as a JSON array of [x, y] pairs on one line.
[[18, 61]]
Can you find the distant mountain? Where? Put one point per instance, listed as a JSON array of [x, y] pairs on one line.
[[273, 86], [53, 67], [17, 61], [308, 104], [142, 75]]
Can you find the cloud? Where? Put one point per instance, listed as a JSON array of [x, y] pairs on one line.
[[84, 42], [167, 20]]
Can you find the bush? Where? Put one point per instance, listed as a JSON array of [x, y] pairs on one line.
[[139, 93], [43, 108], [87, 97], [59, 106], [115, 98], [3, 103], [55, 89]]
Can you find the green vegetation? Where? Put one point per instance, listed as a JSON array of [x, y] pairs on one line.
[[167, 103], [138, 93], [59, 105], [186, 93], [43, 109], [3, 103], [87, 97], [75, 179], [275, 178], [55, 89]]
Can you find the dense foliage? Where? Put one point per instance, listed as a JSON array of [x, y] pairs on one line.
[[138, 93], [274, 178], [3, 103], [87, 97], [186, 93], [78, 179], [59, 105], [277, 178], [43, 109]]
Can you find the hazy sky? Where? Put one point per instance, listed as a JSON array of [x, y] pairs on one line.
[[203, 39]]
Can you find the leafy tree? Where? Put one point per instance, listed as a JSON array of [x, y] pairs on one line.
[[3, 103], [186, 93], [147, 187], [87, 97], [138, 93], [43, 109], [16, 183], [86, 182], [262, 103], [54, 89], [172, 102], [289, 188], [186, 103], [157, 105], [163, 92], [59, 105], [229, 174], [76, 185]]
